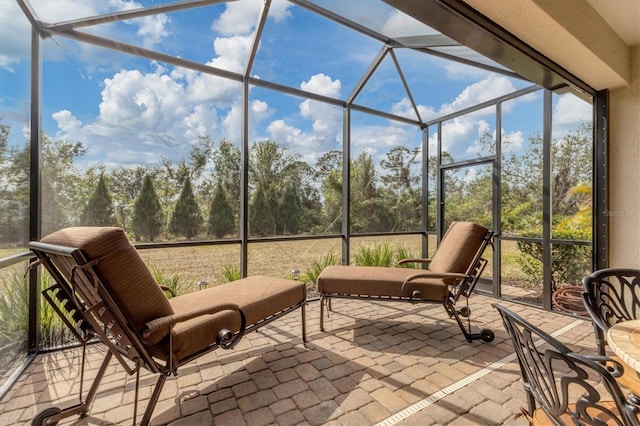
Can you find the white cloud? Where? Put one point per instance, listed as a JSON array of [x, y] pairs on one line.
[[570, 110], [201, 121], [260, 109], [405, 109], [209, 88], [324, 133], [456, 133], [67, 123], [283, 133], [15, 40], [491, 87], [279, 10], [169, 108], [15, 32], [458, 71], [238, 18], [322, 85], [326, 124], [59, 11], [460, 137], [152, 29], [401, 25], [242, 17], [478, 147], [7, 63], [512, 142], [232, 52], [378, 139], [232, 122], [146, 110], [145, 99]]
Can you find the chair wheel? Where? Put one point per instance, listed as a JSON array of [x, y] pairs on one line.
[[225, 338], [464, 311], [487, 335], [39, 419]]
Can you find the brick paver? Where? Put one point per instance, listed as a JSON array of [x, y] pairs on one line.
[[374, 360]]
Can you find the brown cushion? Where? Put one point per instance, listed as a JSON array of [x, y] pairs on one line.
[[379, 281], [458, 247], [192, 336], [123, 272], [259, 297]]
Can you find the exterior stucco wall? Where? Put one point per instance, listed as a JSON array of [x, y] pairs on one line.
[[624, 170]]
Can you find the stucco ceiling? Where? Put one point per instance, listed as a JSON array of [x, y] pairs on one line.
[[591, 39], [623, 16]]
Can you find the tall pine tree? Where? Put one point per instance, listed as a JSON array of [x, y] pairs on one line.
[[290, 212], [221, 221], [99, 210], [147, 212], [186, 219], [262, 221]]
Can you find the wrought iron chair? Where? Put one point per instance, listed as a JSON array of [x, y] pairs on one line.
[[612, 295], [104, 292], [563, 387], [452, 273]]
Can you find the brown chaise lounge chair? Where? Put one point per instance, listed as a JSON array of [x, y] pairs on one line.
[[104, 291], [452, 272]]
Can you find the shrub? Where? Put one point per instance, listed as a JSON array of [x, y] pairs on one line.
[[230, 272], [172, 282], [313, 270], [53, 330], [14, 308], [374, 255], [383, 255], [14, 313], [403, 252], [569, 262]]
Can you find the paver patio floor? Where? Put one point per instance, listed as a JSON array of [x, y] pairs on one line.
[[376, 363]]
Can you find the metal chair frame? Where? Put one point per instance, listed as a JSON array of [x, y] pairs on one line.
[[464, 288], [611, 295], [552, 374], [88, 310]]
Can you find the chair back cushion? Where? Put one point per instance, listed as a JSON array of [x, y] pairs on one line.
[[458, 247], [121, 269]]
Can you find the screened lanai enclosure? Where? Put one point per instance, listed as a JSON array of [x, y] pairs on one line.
[[232, 138]]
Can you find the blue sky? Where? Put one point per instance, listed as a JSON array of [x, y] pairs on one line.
[[128, 110]]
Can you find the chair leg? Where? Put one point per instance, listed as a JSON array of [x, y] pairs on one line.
[[304, 322], [322, 299], [94, 387], [153, 400], [485, 334], [53, 415]]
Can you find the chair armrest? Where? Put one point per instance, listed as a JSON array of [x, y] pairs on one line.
[[167, 322], [613, 366], [403, 261], [407, 282], [418, 275]]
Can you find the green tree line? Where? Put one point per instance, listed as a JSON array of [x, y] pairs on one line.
[[199, 196]]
